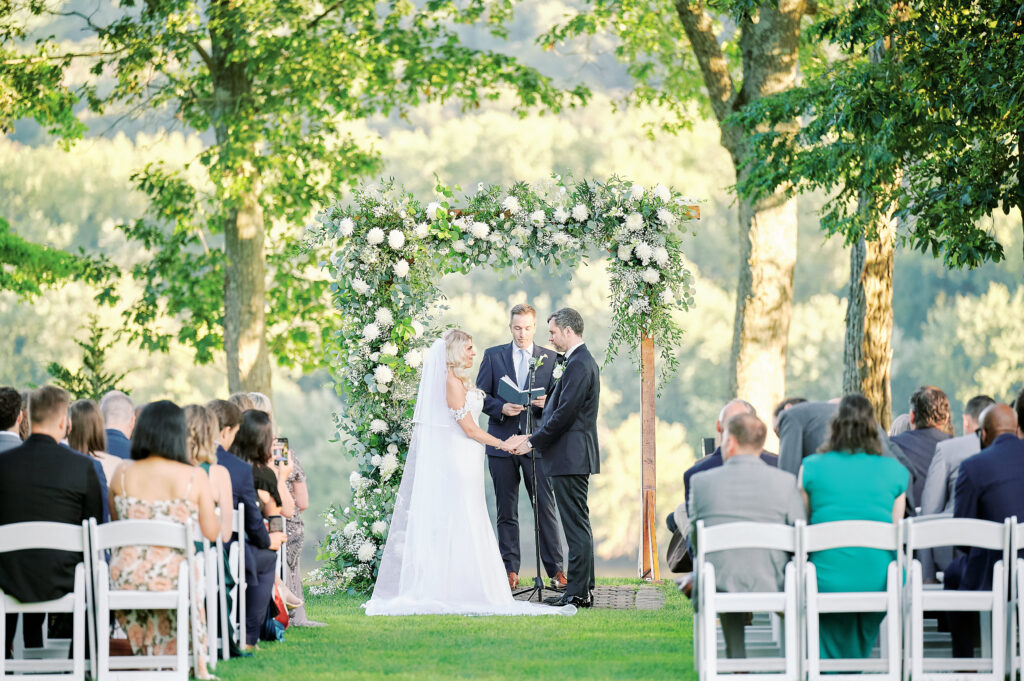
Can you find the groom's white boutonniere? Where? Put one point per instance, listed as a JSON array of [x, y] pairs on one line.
[[558, 371]]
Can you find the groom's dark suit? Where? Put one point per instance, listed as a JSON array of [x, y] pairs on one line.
[[567, 437], [507, 470]]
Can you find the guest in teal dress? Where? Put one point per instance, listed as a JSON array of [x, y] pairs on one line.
[[851, 480]]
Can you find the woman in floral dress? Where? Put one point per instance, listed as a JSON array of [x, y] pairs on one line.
[[158, 484]]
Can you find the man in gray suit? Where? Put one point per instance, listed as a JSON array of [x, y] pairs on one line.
[[10, 418], [940, 482], [744, 488]]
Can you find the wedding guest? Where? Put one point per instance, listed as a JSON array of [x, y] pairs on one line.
[[26, 423], [851, 480], [505, 419], [159, 483], [295, 529], [930, 425], [42, 481], [88, 437], [260, 545], [900, 424], [990, 486], [940, 483], [242, 401], [744, 488], [201, 424], [11, 415], [715, 459], [254, 444], [119, 416]]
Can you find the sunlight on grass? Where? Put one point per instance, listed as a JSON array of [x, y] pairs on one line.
[[595, 644]]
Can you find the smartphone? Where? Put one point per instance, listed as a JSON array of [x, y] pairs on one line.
[[280, 450], [275, 523], [707, 446]]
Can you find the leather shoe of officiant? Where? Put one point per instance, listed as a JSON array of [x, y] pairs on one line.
[[566, 599], [513, 581], [558, 582]]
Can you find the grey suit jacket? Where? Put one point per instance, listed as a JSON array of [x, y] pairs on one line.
[[745, 488], [8, 440], [939, 487]]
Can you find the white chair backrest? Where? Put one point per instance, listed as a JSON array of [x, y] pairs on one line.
[[42, 535], [983, 534], [141, 533], [745, 535], [867, 534]]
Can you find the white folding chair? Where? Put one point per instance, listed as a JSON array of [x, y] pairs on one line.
[[236, 563], [859, 534], [1016, 588], [210, 593], [959, 532], [61, 537], [175, 536], [710, 602]]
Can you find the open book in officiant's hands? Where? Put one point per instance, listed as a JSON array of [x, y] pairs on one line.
[[510, 392]]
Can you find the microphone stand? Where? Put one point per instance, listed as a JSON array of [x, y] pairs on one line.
[[538, 581]]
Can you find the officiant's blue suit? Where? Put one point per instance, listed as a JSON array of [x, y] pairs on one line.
[[507, 470]]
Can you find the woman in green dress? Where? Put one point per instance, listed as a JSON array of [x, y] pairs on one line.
[[851, 480]]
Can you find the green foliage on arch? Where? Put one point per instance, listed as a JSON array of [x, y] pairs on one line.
[[390, 251]]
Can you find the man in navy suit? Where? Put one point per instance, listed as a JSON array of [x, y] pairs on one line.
[[260, 546], [567, 436], [515, 360], [989, 486]]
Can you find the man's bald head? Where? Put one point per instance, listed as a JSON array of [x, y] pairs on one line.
[[732, 408], [118, 412], [997, 420]]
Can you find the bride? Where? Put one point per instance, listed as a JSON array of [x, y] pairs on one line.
[[441, 556]]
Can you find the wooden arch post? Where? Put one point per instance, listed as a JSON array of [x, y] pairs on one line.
[[648, 542]]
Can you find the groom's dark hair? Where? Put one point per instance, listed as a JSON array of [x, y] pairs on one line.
[[568, 318]]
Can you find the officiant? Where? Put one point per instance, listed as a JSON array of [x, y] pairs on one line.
[[514, 360]]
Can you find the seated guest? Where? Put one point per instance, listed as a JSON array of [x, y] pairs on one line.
[[260, 546], [900, 424], [851, 480], [26, 424], [119, 417], [939, 484], [930, 425], [87, 436], [744, 488], [990, 486], [42, 481], [714, 459], [11, 416], [242, 401], [160, 484], [254, 444], [202, 451]]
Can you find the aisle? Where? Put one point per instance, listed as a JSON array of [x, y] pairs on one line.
[[600, 643]]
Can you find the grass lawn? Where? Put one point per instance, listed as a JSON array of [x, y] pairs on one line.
[[594, 644]]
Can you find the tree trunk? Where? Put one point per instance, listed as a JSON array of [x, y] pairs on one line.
[[245, 298], [867, 357]]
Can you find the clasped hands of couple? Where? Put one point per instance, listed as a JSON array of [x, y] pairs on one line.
[[516, 444]]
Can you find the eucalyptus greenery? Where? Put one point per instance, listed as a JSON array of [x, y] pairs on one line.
[[389, 252]]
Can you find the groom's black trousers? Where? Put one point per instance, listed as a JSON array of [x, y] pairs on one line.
[[506, 474], [571, 495]]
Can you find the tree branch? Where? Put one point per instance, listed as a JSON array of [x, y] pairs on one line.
[[330, 8], [60, 57], [713, 65]]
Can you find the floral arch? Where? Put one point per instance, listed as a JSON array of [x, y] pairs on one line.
[[389, 253]]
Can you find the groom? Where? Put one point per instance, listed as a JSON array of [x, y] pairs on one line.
[[567, 436]]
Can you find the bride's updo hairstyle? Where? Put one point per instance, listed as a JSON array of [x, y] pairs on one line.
[[455, 341]]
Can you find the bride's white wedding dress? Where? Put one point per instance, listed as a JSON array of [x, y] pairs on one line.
[[441, 556]]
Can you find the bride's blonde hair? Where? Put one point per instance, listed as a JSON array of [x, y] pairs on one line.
[[455, 341]]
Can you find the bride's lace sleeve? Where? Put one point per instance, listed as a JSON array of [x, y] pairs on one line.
[[459, 414]]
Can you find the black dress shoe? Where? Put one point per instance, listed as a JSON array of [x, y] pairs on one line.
[[566, 599]]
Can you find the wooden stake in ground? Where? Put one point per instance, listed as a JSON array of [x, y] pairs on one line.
[[648, 540]]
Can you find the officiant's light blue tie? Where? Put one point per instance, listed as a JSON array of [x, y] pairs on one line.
[[522, 370]]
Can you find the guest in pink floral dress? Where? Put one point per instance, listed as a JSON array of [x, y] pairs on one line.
[[158, 484]]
